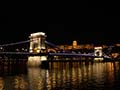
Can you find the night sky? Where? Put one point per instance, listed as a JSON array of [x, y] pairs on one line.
[[92, 28], [61, 33]]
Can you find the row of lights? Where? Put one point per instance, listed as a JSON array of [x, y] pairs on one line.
[[23, 49]]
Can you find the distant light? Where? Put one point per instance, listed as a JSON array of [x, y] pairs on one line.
[[22, 48], [17, 49], [74, 44], [98, 51], [98, 59], [1, 47], [25, 50], [43, 58]]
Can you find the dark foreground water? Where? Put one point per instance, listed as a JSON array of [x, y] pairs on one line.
[[62, 76]]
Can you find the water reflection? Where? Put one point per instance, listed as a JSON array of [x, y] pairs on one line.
[[65, 76], [20, 83], [1, 83], [85, 75], [76, 75], [36, 78]]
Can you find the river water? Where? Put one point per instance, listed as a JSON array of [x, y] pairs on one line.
[[62, 76]]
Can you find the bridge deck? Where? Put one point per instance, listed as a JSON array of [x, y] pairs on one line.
[[52, 54], [22, 53], [72, 54]]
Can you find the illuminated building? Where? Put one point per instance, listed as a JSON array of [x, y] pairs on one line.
[[74, 44]]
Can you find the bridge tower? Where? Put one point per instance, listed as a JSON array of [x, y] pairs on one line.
[[37, 45], [37, 42], [98, 52]]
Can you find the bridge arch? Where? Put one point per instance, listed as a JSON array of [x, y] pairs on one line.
[[52, 50]]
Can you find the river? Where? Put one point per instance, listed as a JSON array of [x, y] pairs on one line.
[[62, 76]]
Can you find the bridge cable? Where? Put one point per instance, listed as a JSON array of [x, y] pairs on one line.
[[10, 44], [51, 44]]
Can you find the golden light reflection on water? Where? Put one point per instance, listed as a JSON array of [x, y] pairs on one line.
[[1, 83], [36, 60], [85, 73], [66, 76], [20, 83], [36, 78]]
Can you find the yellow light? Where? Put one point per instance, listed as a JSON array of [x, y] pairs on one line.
[[38, 47], [43, 58], [34, 61], [98, 59], [30, 47], [38, 51], [35, 48]]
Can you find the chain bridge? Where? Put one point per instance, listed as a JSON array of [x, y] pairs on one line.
[[38, 47]]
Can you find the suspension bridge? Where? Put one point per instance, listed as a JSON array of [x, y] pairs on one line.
[[37, 47]]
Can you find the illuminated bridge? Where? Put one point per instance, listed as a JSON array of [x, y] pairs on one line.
[[38, 44], [38, 47]]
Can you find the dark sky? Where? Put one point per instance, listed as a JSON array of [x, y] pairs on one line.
[[95, 8], [3, 19], [94, 27], [96, 11], [61, 33], [90, 24]]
